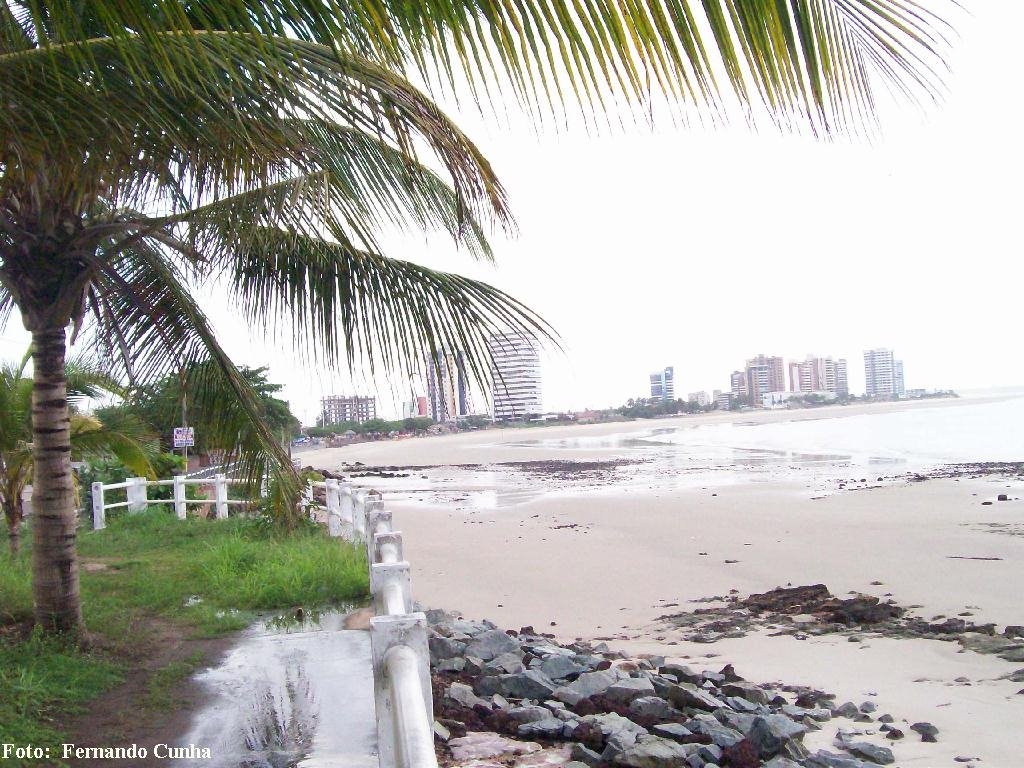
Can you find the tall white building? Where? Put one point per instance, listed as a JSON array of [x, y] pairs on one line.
[[515, 371], [883, 373], [818, 374], [447, 387], [663, 385]]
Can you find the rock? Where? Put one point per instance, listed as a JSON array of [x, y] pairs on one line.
[[654, 707], [610, 723], [547, 728], [462, 694], [531, 684], [868, 707], [689, 695], [781, 762], [1014, 630], [674, 731], [443, 648], [894, 734], [624, 691], [500, 701], [441, 733], [560, 667], [655, 752], [1013, 654], [847, 709], [456, 664], [505, 664], [681, 673], [481, 744], [770, 732], [490, 644], [1002, 497], [742, 705], [710, 753], [576, 764], [825, 759], [927, 730], [616, 744], [474, 666], [583, 755], [586, 685], [721, 735], [529, 714], [745, 690], [868, 751], [886, 718]]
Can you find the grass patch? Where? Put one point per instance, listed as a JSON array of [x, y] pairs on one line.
[[208, 577]]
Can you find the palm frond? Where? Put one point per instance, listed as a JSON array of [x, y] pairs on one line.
[[807, 61], [128, 440]]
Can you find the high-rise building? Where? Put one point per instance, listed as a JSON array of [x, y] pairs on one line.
[[337, 409], [415, 407], [818, 374], [883, 373], [663, 385], [764, 374], [738, 385], [447, 387], [515, 371], [700, 398]]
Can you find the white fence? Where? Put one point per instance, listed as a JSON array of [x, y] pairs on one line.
[[398, 634]]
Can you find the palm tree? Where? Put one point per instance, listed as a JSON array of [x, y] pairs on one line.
[[119, 435], [146, 148]]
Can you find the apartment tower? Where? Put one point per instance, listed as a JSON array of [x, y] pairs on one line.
[[663, 385], [764, 374], [883, 373], [515, 372]]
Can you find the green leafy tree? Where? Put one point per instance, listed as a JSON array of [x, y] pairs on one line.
[[147, 148], [91, 437]]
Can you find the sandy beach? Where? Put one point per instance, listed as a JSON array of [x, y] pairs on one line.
[[607, 562]]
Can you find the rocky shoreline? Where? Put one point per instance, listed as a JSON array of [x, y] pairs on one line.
[[519, 699]]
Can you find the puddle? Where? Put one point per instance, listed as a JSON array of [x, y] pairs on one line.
[[296, 692]]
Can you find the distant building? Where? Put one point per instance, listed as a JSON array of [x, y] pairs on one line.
[[883, 373], [764, 374], [818, 374], [700, 398], [447, 387], [337, 409], [414, 408], [781, 399], [723, 400], [663, 385], [738, 385], [515, 371]]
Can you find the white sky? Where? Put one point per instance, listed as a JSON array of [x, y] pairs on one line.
[[699, 248]]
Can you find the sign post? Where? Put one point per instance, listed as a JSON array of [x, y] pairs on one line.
[[184, 438]]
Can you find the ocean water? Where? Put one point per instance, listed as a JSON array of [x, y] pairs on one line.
[[817, 454]]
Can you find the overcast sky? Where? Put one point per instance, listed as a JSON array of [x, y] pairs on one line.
[[700, 248]]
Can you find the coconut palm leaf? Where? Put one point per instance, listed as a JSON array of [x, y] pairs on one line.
[[808, 61], [125, 438]]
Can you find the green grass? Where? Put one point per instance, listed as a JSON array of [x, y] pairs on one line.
[[207, 577]]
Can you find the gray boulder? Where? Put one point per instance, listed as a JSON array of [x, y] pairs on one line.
[[530, 714], [560, 667], [653, 706], [825, 759], [491, 643], [531, 684], [847, 709], [610, 723], [581, 754], [781, 762], [747, 691], [870, 752], [586, 685], [624, 691], [616, 744], [655, 752], [709, 753], [927, 730], [548, 728], [739, 704], [741, 721], [681, 672], [675, 731], [689, 695], [456, 664], [505, 664], [770, 732], [462, 694], [721, 735], [443, 648]]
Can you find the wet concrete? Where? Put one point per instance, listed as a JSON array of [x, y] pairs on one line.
[[291, 694]]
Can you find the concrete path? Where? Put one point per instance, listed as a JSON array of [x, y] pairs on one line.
[[289, 698]]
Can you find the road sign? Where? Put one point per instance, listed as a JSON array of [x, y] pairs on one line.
[[184, 437]]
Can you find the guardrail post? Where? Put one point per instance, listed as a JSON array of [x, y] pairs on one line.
[[346, 506], [179, 496], [333, 508], [378, 520], [359, 514], [99, 516], [136, 492], [387, 547], [391, 587], [401, 677], [220, 487]]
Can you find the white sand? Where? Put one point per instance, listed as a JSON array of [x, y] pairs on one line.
[[633, 551]]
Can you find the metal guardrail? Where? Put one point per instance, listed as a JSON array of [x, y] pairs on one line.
[[398, 634]]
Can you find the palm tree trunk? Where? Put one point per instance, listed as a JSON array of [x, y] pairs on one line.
[[54, 560], [13, 518]]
